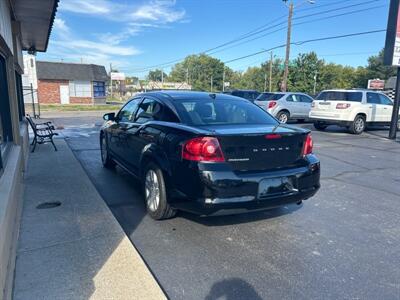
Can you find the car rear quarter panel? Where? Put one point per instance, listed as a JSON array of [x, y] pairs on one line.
[[166, 152]]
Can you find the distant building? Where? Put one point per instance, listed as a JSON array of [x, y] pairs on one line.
[[66, 83], [155, 85]]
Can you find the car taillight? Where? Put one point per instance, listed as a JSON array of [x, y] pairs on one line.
[[313, 104], [273, 136], [343, 105], [271, 104], [203, 149], [308, 145]]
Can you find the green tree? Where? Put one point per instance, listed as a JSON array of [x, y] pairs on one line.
[[201, 71], [233, 77], [376, 68], [334, 76], [302, 72], [277, 73], [157, 75], [253, 79]]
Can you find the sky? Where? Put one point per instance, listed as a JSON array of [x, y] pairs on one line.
[[138, 35]]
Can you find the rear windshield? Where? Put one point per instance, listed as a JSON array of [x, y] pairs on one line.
[[340, 96], [221, 112], [264, 97], [276, 96]]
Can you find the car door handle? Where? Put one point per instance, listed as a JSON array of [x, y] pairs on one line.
[[385, 108]]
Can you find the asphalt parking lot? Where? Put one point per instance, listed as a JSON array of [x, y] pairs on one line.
[[344, 243]]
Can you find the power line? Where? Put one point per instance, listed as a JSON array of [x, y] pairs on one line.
[[284, 22], [307, 41], [348, 54], [297, 24], [255, 32], [319, 55]]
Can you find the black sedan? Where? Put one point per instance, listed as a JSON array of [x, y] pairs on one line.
[[207, 153]]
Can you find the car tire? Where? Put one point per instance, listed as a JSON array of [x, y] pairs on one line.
[[283, 116], [155, 193], [358, 125], [106, 159], [320, 126]]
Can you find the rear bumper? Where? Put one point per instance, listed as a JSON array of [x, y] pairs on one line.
[[223, 189], [343, 123]]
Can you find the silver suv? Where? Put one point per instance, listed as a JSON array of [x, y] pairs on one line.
[[285, 106]]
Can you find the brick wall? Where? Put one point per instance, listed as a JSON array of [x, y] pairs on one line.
[[80, 100], [49, 90]]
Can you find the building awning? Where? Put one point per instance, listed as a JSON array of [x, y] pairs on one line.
[[36, 18]]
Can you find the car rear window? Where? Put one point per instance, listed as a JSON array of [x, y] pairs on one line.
[[276, 96], [264, 97], [221, 112], [340, 96]]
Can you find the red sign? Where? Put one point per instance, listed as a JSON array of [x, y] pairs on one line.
[[376, 84], [398, 25]]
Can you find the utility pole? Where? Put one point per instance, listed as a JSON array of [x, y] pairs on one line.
[[315, 82], [223, 81], [162, 77], [396, 108], [288, 41], [187, 75], [211, 83], [111, 92], [270, 72], [265, 82]]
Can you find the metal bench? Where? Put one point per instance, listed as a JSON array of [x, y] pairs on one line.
[[43, 133]]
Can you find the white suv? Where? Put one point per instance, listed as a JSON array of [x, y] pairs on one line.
[[354, 109]]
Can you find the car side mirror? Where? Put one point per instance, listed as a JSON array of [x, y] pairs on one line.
[[109, 117]]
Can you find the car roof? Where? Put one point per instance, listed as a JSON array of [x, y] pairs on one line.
[[171, 95], [252, 91], [289, 93], [344, 90]]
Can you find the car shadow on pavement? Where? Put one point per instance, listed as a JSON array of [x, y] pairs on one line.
[[232, 288], [243, 217]]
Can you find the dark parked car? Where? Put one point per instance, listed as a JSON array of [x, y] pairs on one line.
[[205, 153], [250, 95]]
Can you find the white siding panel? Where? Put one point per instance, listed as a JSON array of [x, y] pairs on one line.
[[5, 24]]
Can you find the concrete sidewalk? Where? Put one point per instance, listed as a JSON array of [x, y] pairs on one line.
[[76, 250]]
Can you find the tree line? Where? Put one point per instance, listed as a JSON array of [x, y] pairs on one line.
[[306, 73]]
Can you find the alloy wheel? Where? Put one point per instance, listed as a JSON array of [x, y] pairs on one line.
[[152, 190], [359, 125], [283, 118]]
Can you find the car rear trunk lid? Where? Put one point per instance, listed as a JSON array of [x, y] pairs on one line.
[[261, 148]]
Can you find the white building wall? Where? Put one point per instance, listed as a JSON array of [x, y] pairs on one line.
[[5, 24], [30, 74], [29, 77]]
